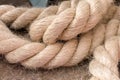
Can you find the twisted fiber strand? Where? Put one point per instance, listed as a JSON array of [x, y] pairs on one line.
[[34, 55], [87, 43], [70, 22], [52, 10], [38, 28], [31, 54], [106, 58], [5, 8], [19, 19]]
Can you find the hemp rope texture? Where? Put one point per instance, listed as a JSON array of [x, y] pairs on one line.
[[105, 62], [70, 20], [104, 66], [10, 46], [34, 55], [38, 28]]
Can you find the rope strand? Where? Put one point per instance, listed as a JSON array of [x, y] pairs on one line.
[[104, 65], [35, 55], [106, 56], [79, 19]]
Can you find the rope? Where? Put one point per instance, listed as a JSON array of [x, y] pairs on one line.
[[38, 29], [106, 58], [104, 66], [70, 20], [103, 40], [34, 55]]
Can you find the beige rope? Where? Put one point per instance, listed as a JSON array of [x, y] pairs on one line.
[[69, 21], [106, 58], [38, 28], [5, 8], [34, 55]]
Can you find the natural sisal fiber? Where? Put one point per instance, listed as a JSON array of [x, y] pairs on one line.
[[70, 20], [34, 55]]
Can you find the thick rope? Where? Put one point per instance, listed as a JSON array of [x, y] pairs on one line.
[[34, 55], [69, 21], [106, 57], [105, 62], [38, 28]]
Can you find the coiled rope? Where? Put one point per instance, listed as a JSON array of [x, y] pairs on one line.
[[70, 18]]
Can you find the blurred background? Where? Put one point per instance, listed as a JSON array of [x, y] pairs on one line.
[[38, 3]]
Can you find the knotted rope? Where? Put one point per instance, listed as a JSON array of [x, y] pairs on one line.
[[70, 20]]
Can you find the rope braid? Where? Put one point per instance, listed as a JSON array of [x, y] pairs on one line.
[[76, 18]]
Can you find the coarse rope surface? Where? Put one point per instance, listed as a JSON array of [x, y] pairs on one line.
[[69, 20], [38, 28], [105, 62], [104, 66], [35, 55]]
